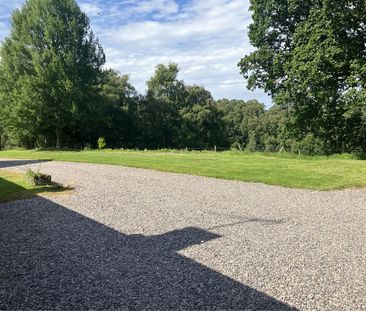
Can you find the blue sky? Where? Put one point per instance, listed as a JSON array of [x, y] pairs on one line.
[[206, 38]]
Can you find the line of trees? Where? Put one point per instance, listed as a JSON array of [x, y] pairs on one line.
[[55, 92]]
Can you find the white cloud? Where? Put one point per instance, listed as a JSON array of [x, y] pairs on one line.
[[161, 8], [206, 38]]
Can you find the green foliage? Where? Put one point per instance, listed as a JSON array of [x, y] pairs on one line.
[[30, 175], [50, 66], [203, 126], [119, 103], [101, 143], [175, 115], [309, 145], [37, 178], [252, 127], [3, 137], [311, 57], [164, 85], [243, 119]]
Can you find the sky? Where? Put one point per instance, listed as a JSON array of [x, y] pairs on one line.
[[206, 38]]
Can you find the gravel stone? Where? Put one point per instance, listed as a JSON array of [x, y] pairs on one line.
[[135, 239]]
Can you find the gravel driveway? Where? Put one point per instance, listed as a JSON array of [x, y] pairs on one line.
[[132, 239]]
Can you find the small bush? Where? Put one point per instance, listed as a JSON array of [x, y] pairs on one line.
[[37, 178], [101, 143], [30, 174]]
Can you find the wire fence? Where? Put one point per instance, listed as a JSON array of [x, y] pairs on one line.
[[221, 149]]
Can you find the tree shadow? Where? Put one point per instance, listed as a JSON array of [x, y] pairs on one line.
[[12, 163], [54, 258], [240, 220]]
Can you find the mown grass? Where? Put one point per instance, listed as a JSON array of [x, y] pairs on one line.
[[318, 173], [14, 186]]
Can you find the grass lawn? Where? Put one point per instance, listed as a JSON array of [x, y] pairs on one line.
[[320, 173], [14, 186]]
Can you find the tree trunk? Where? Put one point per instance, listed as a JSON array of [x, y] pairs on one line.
[[59, 142]]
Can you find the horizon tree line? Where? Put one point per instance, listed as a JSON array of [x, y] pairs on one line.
[[56, 93]]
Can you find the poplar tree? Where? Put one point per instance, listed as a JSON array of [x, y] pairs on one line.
[[50, 69]]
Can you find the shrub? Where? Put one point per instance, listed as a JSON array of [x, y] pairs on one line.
[[30, 174], [101, 143], [309, 145]]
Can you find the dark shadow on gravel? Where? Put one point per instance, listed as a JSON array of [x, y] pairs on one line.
[[53, 258], [250, 220], [12, 163], [240, 220]]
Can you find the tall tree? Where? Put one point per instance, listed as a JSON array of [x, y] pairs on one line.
[[164, 84], [120, 103], [202, 122], [311, 57], [50, 67], [196, 95], [165, 96]]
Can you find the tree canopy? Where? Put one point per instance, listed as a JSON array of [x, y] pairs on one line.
[[311, 57], [50, 69]]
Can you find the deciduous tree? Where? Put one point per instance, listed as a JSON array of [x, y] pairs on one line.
[[311, 56]]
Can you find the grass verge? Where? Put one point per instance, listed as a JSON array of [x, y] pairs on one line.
[[14, 186], [318, 173]]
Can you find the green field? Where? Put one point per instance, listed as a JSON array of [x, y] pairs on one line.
[[320, 173]]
